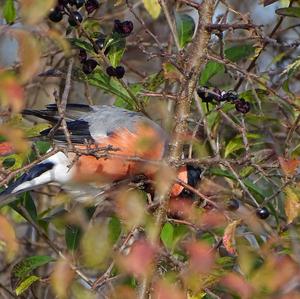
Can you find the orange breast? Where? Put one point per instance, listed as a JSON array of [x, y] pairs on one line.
[[145, 143]]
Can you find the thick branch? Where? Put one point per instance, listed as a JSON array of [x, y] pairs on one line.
[[195, 59]]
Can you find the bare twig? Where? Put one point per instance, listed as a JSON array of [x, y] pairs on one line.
[[171, 24], [253, 62]]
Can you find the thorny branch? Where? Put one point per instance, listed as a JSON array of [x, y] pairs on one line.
[[194, 61]]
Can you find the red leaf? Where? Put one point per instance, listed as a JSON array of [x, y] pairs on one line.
[[201, 257], [6, 148], [212, 219], [165, 290], [238, 284], [140, 259]]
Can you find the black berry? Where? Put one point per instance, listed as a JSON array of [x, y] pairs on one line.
[[75, 18], [262, 213], [206, 96], [123, 28], [78, 3], [82, 55], [242, 106], [127, 27], [233, 204], [120, 72], [229, 96], [89, 65], [111, 71], [91, 6], [55, 15], [100, 41]]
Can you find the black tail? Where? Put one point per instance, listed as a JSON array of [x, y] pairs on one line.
[[25, 182], [51, 112]]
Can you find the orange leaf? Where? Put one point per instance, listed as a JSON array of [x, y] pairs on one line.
[[289, 167], [8, 237], [61, 278], [11, 92], [15, 138], [292, 203], [229, 236]]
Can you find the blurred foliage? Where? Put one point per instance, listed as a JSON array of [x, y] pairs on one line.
[[54, 247]]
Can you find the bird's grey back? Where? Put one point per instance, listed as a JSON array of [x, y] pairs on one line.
[[105, 120]]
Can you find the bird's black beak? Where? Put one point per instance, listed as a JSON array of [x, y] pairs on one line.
[[194, 175], [193, 179]]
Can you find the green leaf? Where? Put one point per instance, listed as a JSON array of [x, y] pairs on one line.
[[249, 95], [153, 8], [237, 53], [180, 230], [42, 146], [25, 284], [18, 160], [36, 129], [29, 205], [211, 69], [81, 44], [152, 82], [167, 235], [289, 12], [26, 266], [227, 262], [73, 235], [185, 26], [252, 187], [115, 229], [292, 68], [116, 47], [8, 162], [237, 143], [100, 79], [9, 11]]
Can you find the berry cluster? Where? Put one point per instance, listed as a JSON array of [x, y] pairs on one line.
[[123, 28], [88, 64], [74, 17], [117, 72], [216, 96], [120, 31]]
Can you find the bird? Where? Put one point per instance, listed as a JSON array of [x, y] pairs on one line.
[[136, 142]]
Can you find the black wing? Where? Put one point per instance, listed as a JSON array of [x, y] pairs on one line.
[[78, 129]]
